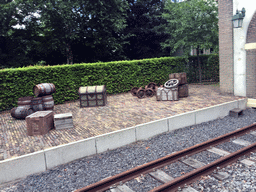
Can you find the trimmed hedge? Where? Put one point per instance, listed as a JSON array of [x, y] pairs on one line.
[[118, 76]]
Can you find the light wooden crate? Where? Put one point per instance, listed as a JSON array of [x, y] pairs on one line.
[[63, 121]]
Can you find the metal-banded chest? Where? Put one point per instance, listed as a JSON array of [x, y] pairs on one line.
[[92, 96]]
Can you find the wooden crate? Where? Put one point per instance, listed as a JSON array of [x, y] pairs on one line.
[[39, 123], [93, 96], [163, 94], [63, 121]]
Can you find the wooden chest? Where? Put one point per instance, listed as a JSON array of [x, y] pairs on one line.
[[39, 123], [163, 94], [63, 121], [92, 96]]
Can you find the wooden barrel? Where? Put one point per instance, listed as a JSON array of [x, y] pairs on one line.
[[37, 104], [183, 90], [182, 77], [25, 101], [48, 102], [21, 112], [44, 89]]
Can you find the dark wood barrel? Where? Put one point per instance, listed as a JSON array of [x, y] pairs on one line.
[[48, 102], [182, 77], [25, 101], [21, 112], [44, 89], [183, 90], [37, 104]]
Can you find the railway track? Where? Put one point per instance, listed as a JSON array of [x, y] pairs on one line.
[[117, 183]]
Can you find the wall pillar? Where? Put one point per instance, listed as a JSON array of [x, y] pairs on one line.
[[226, 58]]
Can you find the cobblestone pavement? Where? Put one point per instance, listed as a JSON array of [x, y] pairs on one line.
[[122, 111]]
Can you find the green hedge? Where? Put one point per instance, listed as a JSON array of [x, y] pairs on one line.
[[118, 76]]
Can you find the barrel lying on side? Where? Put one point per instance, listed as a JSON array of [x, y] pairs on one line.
[[44, 89], [21, 112]]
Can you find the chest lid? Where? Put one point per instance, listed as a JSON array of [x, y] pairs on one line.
[[92, 89]]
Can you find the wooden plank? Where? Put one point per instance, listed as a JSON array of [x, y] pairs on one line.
[[241, 142], [189, 189], [161, 176], [218, 151], [121, 188], [193, 163], [63, 116], [64, 127]]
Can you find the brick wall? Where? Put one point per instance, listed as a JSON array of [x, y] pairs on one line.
[[226, 46], [251, 60]]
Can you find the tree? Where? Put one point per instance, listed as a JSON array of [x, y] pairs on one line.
[[144, 41], [191, 24], [93, 24]]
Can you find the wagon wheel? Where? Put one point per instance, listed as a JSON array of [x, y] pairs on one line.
[[172, 83], [134, 91], [140, 93], [152, 85], [149, 92]]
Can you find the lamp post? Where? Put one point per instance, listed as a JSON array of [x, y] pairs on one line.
[[238, 18]]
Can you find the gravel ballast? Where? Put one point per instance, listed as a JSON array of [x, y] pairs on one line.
[[83, 172]]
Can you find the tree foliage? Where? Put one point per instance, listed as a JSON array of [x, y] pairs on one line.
[[144, 40], [191, 24], [65, 31]]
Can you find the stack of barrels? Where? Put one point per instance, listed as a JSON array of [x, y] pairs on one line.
[[183, 86], [42, 101]]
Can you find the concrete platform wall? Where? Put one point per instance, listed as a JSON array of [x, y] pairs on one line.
[[40, 161]]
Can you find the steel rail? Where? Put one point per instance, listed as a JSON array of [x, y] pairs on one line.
[[159, 163], [188, 178]]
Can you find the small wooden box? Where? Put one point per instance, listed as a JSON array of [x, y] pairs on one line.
[[39, 123], [163, 94], [63, 121], [93, 96]]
